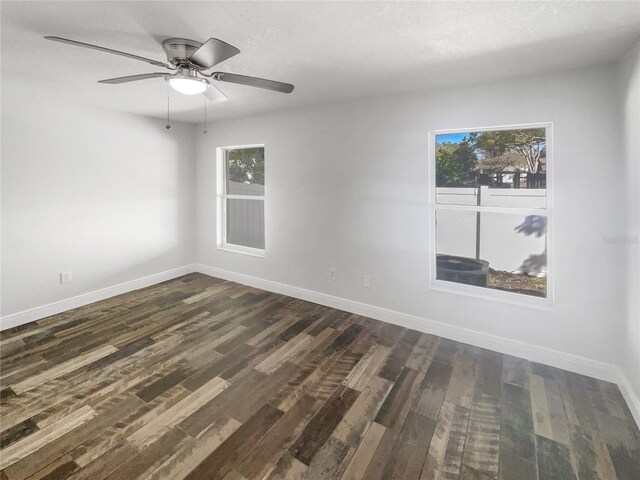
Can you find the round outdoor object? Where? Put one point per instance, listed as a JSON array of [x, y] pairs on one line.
[[465, 270]]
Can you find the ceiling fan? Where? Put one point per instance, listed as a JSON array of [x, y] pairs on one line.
[[188, 60]]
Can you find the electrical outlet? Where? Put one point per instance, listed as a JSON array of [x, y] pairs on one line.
[[332, 274], [65, 277], [366, 281]]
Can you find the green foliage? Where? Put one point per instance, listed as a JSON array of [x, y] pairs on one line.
[[246, 165], [529, 143], [456, 164], [507, 161]]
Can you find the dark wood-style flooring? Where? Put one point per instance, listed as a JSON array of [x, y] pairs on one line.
[[203, 378]]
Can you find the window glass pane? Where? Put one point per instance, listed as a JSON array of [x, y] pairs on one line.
[[501, 168], [245, 223], [244, 169], [495, 250]]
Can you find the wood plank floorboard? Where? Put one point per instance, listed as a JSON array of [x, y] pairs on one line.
[[202, 378]]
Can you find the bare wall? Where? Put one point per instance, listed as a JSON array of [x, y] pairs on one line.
[[629, 238], [347, 187], [104, 195]]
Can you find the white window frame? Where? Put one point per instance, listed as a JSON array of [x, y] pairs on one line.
[[222, 197], [484, 292]]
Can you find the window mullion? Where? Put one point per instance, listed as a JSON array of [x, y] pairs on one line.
[[244, 197], [489, 209]]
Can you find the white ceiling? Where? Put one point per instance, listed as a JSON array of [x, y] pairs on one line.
[[331, 51]]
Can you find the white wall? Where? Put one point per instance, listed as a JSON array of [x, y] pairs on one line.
[[107, 196], [630, 243], [347, 187]]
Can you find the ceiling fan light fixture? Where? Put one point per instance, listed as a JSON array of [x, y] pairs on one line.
[[188, 85]]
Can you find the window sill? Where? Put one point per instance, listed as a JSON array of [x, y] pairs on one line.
[[494, 295], [252, 252]]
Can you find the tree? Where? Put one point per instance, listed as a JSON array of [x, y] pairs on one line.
[[456, 164], [509, 161], [530, 143], [246, 165]]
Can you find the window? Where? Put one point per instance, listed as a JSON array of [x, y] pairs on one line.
[[491, 212], [241, 199]]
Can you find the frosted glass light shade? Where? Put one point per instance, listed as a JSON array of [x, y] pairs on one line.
[[187, 85]]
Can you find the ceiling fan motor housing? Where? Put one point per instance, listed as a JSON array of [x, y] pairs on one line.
[[179, 50]]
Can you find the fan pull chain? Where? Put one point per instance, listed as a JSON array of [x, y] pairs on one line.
[[205, 116], [168, 126]]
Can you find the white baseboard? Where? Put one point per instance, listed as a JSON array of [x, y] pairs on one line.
[[633, 401], [32, 314], [536, 353]]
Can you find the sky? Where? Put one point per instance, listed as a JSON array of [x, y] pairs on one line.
[[451, 137]]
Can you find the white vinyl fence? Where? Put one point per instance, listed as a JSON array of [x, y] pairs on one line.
[[245, 217], [508, 241]]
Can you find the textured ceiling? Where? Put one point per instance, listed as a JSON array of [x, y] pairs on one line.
[[331, 51]]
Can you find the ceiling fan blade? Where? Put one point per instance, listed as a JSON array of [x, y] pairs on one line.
[[212, 52], [133, 78], [109, 50], [213, 93], [253, 82]]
